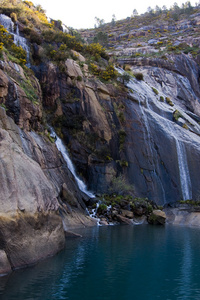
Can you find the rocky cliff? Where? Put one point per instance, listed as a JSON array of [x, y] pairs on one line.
[[150, 133], [138, 122], [40, 199]]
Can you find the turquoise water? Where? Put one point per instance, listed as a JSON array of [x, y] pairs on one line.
[[115, 263]]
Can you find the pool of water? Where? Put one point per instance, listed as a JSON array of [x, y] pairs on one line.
[[115, 263]]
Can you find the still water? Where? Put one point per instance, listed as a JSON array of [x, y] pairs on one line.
[[115, 263]]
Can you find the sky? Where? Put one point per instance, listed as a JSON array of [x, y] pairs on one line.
[[81, 13]]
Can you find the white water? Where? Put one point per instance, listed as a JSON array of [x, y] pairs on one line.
[[18, 40], [184, 171], [93, 214], [61, 147], [145, 93], [184, 174]]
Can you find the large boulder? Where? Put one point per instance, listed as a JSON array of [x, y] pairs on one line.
[[157, 217]]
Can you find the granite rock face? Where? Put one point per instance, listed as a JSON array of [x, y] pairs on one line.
[[34, 212], [137, 133], [31, 227]]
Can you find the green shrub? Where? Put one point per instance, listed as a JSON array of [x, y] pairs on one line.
[[120, 186], [139, 76], [155, 91], [109, 73], [161, 99], [125, 78], [79, 78], [122, 137], [102, 209], [176, 115], [185, 126], [169, 101]]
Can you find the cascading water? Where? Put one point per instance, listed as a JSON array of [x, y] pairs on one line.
[[7, 23], [184, 171], [146, 94], [184, 174], [133, 85], [18, 40], [61, 147]]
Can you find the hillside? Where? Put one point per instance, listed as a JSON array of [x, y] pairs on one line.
[[123, 98]]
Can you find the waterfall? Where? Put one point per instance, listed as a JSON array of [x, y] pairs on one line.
[[18, 40], [145, 93], [184, 171], [21, 41], [132, 85], [184, 174], [61, 147], [7, 23]]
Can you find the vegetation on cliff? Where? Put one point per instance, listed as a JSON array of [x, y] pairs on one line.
[[82, 94]]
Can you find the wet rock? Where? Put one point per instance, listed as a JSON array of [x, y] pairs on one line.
[[5, 266], [183, 215], [32, 173], [127, 213], [72, 234], [152, 42], [104, 222], [157, 217], [123, 220]]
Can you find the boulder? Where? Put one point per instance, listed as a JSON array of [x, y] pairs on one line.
[[157, 217], [103, 222], [124, 220], [127, 213], [73, 69]]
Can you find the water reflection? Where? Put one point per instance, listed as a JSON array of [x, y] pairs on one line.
[[115, 263]]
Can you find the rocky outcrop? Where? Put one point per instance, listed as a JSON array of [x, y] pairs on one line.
[[31, 227], [183, 215], [15, 93], [109, 131], [34, 210], [157, 217]]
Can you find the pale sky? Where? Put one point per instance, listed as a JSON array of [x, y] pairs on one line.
[[81, 13]]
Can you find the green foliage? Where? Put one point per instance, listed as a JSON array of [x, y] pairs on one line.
[[141, 206], [155, 91], [123, 163], [102, 209], [120, 186], [104, 74], [122, 138], [125, 77], [162, 99], [30, 91], [185, 126], [103, 152], [94, 69], [79, 78], [109, 73], [4, 106], [139, 76], [190, 202], [176, 115], [6, 41], [13, 17], [96, 50], [59, 37], [101, 38], [169, 101]]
